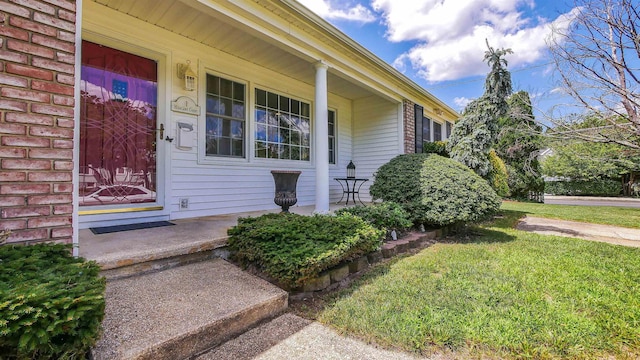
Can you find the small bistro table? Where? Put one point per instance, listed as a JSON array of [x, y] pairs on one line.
[[351, 187]]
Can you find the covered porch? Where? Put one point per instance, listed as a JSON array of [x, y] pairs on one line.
[[278, 48], [129, 252]]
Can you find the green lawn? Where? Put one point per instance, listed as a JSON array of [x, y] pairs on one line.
[[610, 215], [503, 294]]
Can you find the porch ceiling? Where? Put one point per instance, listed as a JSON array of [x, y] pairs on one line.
[[202, 23]]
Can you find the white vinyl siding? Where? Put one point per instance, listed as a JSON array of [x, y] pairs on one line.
[[375, 137]]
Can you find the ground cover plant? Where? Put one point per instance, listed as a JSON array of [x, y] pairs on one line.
[[387, 216], [51, 304], [434, 190], [503, 294], [293, 248], [608, 215]]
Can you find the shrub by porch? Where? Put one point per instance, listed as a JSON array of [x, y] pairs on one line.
[[293, 248], [51, 304]]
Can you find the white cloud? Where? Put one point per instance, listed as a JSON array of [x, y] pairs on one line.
[[462, 102], [340, 10], [451, 34]]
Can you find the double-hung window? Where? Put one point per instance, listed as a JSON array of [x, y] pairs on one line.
[[225, 117], [283, 127], [332, 136], [437, 131]]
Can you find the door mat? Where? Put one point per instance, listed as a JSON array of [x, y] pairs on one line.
[[118, 228]]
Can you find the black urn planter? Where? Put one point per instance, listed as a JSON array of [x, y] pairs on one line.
[[286, 182]]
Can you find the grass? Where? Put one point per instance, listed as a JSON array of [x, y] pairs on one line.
[[609, 215], [501, 294]]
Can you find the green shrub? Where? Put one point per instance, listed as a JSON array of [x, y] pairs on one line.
[[603, 187], [436, 147], [385, 216], [294, 248], [51, 304], [434, 190], [498, 175]]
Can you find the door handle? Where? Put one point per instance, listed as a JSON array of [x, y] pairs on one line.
[[161, 131]]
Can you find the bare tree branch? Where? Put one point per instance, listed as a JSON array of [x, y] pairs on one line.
[[597, 60]]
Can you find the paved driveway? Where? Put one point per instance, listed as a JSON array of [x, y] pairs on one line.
[[604, 233], [592, 201]]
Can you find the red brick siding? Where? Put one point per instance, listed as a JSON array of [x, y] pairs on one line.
[[409, 127], [37, 52]]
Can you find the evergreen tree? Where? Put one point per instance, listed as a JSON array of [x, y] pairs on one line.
[[476, 132], [519, 142]]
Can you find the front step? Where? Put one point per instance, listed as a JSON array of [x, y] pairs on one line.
[[180, 312]]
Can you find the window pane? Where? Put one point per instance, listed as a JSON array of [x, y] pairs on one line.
[[261, 132], [304, 109], [261, 116], [261, 97], [213, 84], [226, 107], [238, 148], [237, 129], [284, 104], [295, 153], [226, 88], [238, 92], [272, 100], [238, 110]]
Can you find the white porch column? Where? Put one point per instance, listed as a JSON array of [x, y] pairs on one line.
[[321, 139]]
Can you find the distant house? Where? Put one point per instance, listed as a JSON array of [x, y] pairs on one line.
[[118, 112]]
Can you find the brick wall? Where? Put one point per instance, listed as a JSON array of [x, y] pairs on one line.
[[409, 127], [37, 56]]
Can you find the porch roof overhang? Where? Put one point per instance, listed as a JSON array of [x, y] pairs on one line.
[[284, 36]]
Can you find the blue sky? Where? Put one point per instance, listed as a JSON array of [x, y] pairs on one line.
[[440, 44]]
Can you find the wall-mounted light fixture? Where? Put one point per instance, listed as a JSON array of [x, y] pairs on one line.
[[189, 77]]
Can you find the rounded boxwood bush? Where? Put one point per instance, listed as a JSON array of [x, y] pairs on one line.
[[434, 190], [51, 304]]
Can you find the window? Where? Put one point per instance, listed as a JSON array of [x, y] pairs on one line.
[[282, 127], [437, 131], [449, 129], [332, 137], [418, 114], [225, 118], [426, 129]]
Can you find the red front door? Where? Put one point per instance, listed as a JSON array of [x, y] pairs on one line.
[[119, 97]]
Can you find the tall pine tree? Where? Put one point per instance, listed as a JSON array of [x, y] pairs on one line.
[[519, 142], [475, 134]]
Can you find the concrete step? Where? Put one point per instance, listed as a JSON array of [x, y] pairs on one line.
[[181, 312]]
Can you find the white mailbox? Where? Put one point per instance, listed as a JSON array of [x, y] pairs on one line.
[[185, 138]]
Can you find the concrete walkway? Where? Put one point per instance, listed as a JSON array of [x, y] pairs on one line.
[[293, 338], [596, 232]]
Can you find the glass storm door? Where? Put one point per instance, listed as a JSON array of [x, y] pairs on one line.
[[119, 96]]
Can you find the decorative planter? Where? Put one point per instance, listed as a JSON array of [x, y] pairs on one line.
[[286, 182]]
